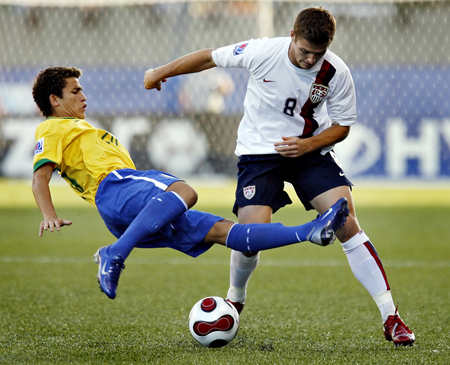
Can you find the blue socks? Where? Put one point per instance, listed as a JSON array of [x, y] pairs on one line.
[[165, 207], [160, 210], [262, 236]]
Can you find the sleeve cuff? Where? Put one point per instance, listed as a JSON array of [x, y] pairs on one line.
[[42, 162]]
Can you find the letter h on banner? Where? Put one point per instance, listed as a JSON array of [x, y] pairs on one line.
[[400, 148]]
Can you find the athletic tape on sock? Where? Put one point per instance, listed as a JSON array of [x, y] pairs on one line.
[[383, 298]]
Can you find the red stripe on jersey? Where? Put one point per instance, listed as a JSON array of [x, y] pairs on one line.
[[374, 254], [323, 77]]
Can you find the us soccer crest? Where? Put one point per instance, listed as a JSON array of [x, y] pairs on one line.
[[318, 92], [249, 191]]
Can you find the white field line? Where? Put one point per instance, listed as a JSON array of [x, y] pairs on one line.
[[224, 262]]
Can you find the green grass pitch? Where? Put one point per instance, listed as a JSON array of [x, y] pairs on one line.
[[304, 305]]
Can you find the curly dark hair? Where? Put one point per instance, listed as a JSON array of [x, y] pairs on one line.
[[316, 25], [50, 81]]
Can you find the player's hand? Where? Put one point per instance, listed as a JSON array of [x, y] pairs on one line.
[[292, 147], [151, 81], [52, 224]]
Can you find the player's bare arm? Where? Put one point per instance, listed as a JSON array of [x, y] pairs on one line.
[[194, 62], [295, 146], [41, 191]]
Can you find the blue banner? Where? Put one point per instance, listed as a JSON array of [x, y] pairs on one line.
[[403, 129]]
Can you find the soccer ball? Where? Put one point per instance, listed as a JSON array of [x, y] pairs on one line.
[[213, 322]]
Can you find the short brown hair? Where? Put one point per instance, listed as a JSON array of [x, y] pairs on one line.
[[50, 81], [316, 25]]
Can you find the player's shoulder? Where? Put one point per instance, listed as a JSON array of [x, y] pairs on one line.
[[337, 62], [254, 47], [55, 125], [50, 123], [262, 50], [270, 43], [61, 120]]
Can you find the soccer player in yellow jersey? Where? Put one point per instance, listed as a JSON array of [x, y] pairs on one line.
[[146, 209]]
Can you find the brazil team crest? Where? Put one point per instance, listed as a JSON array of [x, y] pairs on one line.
[[318, 92], [249, 191]]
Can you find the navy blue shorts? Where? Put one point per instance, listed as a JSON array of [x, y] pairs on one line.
[[123, 194], [261, 179]]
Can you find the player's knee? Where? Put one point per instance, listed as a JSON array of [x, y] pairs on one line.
[[219, 232], [349, 229], [188, 194], [191, 198]]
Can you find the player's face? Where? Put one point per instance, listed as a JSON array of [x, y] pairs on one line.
[[73, 103], [304, 54]]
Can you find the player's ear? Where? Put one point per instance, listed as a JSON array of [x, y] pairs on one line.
[[54, 100]]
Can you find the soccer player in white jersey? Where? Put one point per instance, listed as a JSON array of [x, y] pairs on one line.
[[300, 102]]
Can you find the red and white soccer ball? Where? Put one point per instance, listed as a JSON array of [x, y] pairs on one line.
[[213, 322]]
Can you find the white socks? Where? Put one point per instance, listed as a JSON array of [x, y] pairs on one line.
[[364, 263], [369, 271], [241, 268]]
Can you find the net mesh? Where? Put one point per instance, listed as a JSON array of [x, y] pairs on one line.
[[398, 52]]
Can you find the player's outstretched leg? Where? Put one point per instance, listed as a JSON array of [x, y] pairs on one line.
[[254, 237], [257, 237], [328, 223], [109, 269], [397, 331]]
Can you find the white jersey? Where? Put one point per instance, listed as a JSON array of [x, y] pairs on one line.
[[283, 100]]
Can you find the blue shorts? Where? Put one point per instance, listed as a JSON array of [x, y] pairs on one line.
[[123, 194], [261, 179]]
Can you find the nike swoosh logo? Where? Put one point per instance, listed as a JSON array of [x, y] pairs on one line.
[[341, 174], [268, 80], [103, 269]]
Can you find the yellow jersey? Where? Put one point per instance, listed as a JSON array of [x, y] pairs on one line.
[[83, 155]]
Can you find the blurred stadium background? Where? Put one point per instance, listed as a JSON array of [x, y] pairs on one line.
[[398, 52]]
